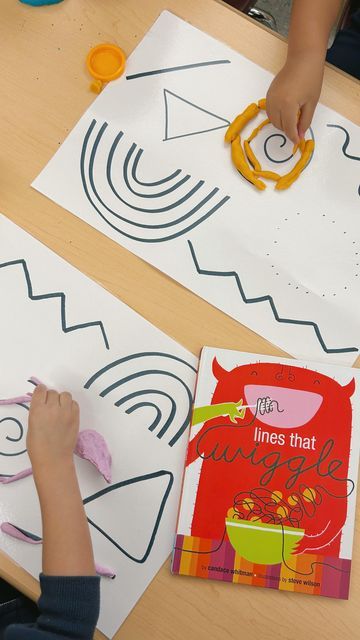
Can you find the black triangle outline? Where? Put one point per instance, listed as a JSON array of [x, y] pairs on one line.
[[186, 135], [124, 483]]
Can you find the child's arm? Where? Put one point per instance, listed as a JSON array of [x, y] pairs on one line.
[[70, 590], [52, 434], [298, 85]]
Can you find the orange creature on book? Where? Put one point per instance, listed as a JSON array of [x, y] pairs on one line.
[[289, 429]]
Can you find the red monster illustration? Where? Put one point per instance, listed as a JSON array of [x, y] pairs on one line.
[[295, 437]]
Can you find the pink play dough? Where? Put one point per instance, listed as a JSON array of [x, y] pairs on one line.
[[92, 446]]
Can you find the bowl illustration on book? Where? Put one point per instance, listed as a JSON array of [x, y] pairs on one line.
[[262, 543]]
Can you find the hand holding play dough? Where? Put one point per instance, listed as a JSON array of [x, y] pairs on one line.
[[244, 158], [295, 91], [53, 429], [90, 445]]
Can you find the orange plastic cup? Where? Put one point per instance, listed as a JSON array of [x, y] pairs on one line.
[[105, 62]]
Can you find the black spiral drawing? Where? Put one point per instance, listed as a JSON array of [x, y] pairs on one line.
[[13, 432], [282, 140]]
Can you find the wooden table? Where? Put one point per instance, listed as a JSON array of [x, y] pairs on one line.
[[43, 93]]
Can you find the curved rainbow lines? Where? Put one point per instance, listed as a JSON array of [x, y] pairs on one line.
[[58, 294], [129, 154], [269, 299], [109, 178], [146, 392], [131, 222], [346, 143], [150, 184], [158, 417]]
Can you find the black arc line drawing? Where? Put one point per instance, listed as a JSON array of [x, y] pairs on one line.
[[270, 300], [138, 222], [193, 108], [58, 294], [125, 483], [119, 377]]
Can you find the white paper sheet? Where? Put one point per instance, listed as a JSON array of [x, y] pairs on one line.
[[134, 385], [147, 165]]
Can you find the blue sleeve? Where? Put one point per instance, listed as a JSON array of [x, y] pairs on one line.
[[69, 608]]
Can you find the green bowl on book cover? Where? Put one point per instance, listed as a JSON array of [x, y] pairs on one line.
[[262, 543]]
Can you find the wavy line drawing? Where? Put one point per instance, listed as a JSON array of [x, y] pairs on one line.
[[47, 296], [182, 67], [92, 194], [119, 485], [149, 397], [270, 300], [214, 116], [346, 143]]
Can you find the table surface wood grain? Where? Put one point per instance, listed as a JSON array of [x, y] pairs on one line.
[[43, 93]]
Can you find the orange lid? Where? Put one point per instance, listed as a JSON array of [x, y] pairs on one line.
[[106, 62]]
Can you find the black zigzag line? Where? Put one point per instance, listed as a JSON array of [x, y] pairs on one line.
[[269, 299], [58, 294]]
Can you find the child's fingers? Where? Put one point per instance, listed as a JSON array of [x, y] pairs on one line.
[[52, 398], [307, 112], [40, 395], [289, 118], [273, 115], [65, 399], [76, 412]]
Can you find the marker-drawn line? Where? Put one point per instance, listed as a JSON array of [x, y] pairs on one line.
[[172, 236], [135, 356], [58, 294], [169, 207], [150, 184], [141, 209], [21, 433], [346, 143], [153, 392], [153, 406], [183, 67], [18, 439], [160, 194], [191, 104], [284, 141], [159, 372], [119, 485], [269, 299], [143, 392]]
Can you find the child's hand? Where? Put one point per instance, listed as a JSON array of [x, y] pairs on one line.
[[296, 89], [53, 428]]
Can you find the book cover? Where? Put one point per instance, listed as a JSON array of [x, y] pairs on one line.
[[269, 489]]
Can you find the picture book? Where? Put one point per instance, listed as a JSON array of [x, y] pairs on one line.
[[269, 489]]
